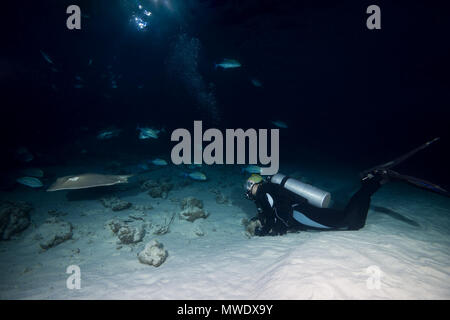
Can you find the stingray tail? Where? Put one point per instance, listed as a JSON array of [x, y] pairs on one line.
[[126, 178]]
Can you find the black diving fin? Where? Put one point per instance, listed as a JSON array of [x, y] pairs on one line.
[[420, 183]]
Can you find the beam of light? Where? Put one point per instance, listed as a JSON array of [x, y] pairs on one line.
[[165, 3]]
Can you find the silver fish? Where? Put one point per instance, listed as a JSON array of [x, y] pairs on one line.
[[31, 182], [159, 162], [280, 124], [108, 134], [196, 176], [256, 83], [147, 133], [228, 64], [252, 169], [46, 57]]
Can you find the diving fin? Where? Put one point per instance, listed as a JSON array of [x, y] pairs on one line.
[[400, 159], [385, 169], [420, 183]]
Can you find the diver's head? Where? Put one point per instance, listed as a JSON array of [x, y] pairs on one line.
[[251, 185]]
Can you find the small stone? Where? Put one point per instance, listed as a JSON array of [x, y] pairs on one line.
[[115, 225], [191, 202], [130, 235], [198, 231], [54, 232], [191, 214], [14, 218], [157, 189], [115, 203], [161, 230], [153, 254], [192, 209]]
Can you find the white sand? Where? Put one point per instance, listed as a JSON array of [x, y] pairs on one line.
[[409, 245]]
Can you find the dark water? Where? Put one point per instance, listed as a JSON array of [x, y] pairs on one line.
[[351, 96]]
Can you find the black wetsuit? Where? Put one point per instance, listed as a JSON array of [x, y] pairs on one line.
[[280, 210]]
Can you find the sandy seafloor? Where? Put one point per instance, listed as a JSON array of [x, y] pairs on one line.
[[407, 238]]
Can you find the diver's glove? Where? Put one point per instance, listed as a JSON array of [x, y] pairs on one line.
[[278, 229], [379, 175], [259, 232], [262, 230]]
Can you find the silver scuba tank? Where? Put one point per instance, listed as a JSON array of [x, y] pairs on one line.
[[315, 196]]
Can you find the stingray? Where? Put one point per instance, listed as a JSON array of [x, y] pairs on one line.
[[88, 180]]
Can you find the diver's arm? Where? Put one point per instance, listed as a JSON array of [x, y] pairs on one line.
[[265, 217], [271, 213]]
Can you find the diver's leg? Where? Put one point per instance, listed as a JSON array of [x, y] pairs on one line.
[[358, 206], [353, 217], [318, 218]]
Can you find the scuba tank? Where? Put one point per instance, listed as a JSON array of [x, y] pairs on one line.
[[315, 196]]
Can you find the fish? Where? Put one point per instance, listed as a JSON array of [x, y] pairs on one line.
[[31, 182], [87, 180], [196, 175], [280, 124], [78, 78], [46, 57], [108, 134], [228, 64], [256, 83], [159, 162], [32, 172], [140, 86], [147, 133], [90, 62], [54, 69], [78, 86], [252, 169]]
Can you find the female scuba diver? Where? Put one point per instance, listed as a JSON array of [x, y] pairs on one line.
[[285, 204]]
